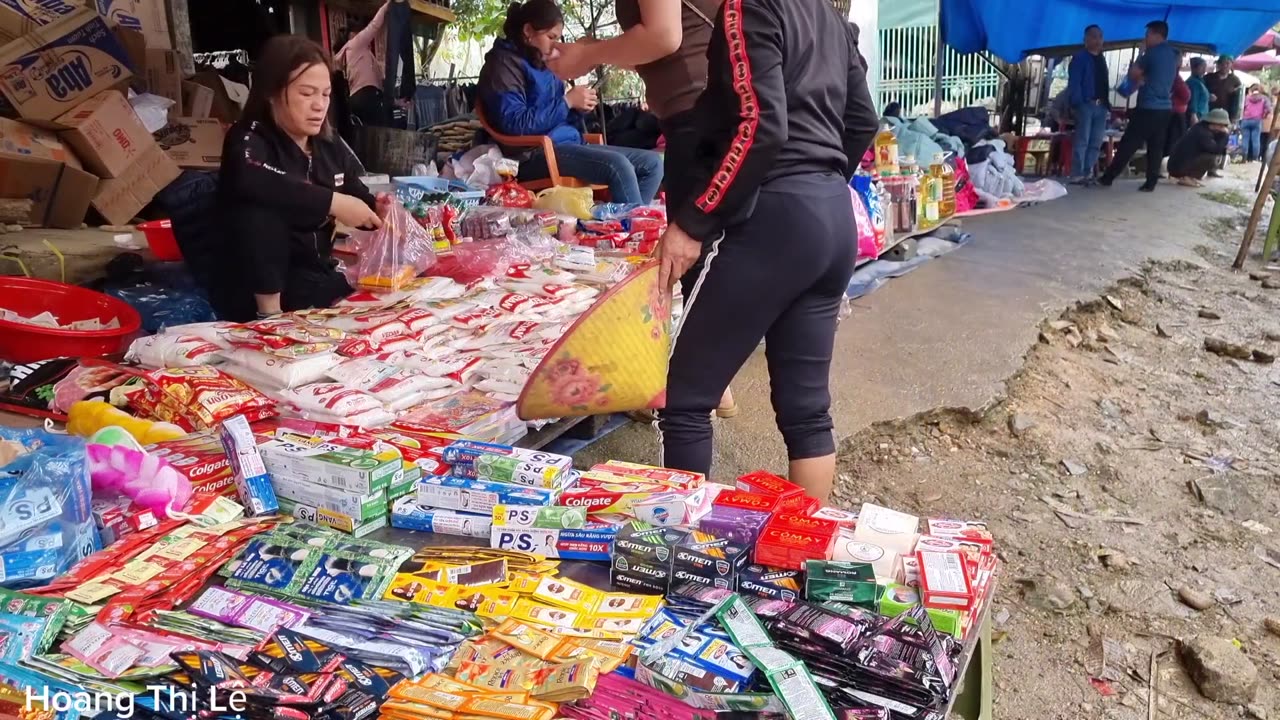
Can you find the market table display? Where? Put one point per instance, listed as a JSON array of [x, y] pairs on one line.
[[511, 586]]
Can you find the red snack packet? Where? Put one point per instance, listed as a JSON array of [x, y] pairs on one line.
[[509, 194]]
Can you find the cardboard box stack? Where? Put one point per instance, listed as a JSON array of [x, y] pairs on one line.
[[64, 69]]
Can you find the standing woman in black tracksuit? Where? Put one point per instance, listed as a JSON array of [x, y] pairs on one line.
[[768, 238], [285, 179]]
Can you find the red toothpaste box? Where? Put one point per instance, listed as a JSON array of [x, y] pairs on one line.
[[679, 479], [200, 458], [970, 551], [783, 548], [117, 517], [844, 518], [944, 581], [967, 530], [793, 497], [598, 496], [744, 500]]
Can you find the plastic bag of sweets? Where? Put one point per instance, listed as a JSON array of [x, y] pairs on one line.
[[199, 398], [394, 254]]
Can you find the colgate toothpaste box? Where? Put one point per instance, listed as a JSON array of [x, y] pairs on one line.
[[679, 479], [608, 497], [201, 459], [55, 67]]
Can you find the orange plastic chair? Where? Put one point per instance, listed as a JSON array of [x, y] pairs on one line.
[[548, 149]]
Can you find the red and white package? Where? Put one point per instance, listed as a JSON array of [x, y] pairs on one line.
[[161, 351], [295, 329], [252, 339], [331, 399], [270, 371], [431, 289], [478, 319], [370, 299], [449, 309], [212, 332], [511, 332], [367, 419], [525, 272], [419, 319], [377, 324], [393, 386]]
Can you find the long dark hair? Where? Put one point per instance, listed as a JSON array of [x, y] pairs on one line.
[[283, 58], [541, 14]]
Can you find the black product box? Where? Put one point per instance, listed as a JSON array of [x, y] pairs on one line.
[[715, 559], [770, 583], [642, 542]]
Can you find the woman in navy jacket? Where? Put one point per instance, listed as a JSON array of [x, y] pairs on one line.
[[522, 97]]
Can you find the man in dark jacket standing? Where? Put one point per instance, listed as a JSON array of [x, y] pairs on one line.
[[783, 123]]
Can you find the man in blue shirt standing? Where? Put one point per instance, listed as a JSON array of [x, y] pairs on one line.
[[1089, 90], [1149, 122]]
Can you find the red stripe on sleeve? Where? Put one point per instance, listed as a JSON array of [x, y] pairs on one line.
[[748, 108]]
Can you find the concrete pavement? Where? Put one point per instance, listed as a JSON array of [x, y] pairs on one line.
[[950, 333]]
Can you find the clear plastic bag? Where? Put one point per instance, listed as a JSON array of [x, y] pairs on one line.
[[47, 524], [392, 255]]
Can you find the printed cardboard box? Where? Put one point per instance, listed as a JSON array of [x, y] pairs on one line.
[[106, 133], [193, 142], [36, 165], [228, 97], [56, 67], [118, 200], [146, 16], [197, 100], [164, 75], [19, 17]]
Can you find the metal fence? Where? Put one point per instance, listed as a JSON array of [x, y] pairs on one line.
[[908, 58]]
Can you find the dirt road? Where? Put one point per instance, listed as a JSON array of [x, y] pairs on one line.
[[1132, 480]]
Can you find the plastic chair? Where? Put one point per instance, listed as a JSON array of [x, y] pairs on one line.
[[548, 149]]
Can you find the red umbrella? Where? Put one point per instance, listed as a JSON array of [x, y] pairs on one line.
[[1270, 40]]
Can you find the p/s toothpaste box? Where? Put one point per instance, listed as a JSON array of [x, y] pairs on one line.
[[477, 496], [589, 543], [407, 514], [253, 484]]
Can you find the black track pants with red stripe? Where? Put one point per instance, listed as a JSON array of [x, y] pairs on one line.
[[780, 277]]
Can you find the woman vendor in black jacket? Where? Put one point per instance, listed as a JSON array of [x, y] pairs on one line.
[[285, 179]]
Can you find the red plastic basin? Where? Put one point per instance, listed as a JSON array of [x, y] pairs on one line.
[[24, 343]]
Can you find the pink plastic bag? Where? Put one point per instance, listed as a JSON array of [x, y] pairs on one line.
[[392, 255], [868, 247], [966, 195]]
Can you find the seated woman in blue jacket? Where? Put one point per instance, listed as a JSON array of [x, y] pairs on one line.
[[522, 97]]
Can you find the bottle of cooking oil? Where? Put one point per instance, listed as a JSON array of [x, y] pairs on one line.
[[946, 178], [886, 151], [929, 195]]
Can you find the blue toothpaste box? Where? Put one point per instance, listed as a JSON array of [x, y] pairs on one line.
[[55, 67], [407, 514], [477, 496], [253, 484]]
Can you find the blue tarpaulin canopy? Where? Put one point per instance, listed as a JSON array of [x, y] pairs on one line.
[[1014, 29]]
